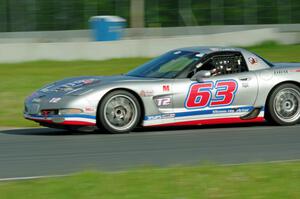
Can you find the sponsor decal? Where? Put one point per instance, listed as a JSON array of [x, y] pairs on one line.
[[213, 111], [222, 49], [35, 96], [161, 116], [165, 101], [89, 109], [166, 88], [239, 110], [252, 60], [87, 81], [55, 100], [71, 85], [146, 93], [200, 113], [200, 94], [58, 119], [281, 72]]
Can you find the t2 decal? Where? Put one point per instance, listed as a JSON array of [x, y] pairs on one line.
[[200, 94], [166, 101]]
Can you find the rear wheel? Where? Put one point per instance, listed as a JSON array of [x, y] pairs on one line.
[[284, 105], [119, 112]]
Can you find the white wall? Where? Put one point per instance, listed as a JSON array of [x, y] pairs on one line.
[[20, 52], [134, 33]]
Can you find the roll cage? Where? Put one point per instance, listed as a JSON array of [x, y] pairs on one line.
[[225, 62]]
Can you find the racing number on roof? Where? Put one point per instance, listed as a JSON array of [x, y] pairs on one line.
[[200, 94]]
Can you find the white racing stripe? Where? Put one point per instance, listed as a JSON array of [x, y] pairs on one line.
[[194, 118], [79, 119]]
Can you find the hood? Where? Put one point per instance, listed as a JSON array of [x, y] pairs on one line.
[[79, 85], [70, 85]]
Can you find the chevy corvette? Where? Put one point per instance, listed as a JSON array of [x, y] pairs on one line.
[[188, 86]]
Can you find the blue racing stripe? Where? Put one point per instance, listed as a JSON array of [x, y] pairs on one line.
[[214, 111], [202, 112], [82, 116]]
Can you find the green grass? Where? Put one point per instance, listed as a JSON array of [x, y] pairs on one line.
[[19, 80], [276, 180], [278, 53]]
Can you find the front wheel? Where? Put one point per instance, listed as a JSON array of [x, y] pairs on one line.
[[119, 112], [284, 105]]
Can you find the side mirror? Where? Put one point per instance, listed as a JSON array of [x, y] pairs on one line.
[[201, 74]]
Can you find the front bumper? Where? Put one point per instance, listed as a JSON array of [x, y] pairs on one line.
[[45, 110], [72, 120]]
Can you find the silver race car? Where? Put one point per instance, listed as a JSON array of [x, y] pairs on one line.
[[188, 86]]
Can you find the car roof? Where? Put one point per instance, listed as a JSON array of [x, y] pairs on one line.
[[210, 49], [261, 64]]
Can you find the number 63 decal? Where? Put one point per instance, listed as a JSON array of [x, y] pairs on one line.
[[200, 94]]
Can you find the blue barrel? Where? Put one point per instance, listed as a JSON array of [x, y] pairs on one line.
[[107, 28]]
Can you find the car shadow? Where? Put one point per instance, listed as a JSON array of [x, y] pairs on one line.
[[59, 132], [45, 132], [202, 127]]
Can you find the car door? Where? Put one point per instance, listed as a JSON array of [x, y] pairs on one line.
[[222, 97]]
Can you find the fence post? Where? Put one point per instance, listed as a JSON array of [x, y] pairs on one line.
[[186, 13], [33, 17], [8, 18], [137, 13]]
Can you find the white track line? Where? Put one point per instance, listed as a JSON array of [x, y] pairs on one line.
[[31, 178], [261, 162]]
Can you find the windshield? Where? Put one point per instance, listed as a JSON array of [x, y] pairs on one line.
[[168, 65]]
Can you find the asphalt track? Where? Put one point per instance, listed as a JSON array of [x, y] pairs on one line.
[[42, 151]]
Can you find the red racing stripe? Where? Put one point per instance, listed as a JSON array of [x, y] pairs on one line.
[[78, 123]]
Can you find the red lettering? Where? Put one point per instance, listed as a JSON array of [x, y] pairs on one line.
[[166, 88], [225, 91], [199, 95]]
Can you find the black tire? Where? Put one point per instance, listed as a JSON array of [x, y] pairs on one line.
[[124, 106], [283, 105]]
